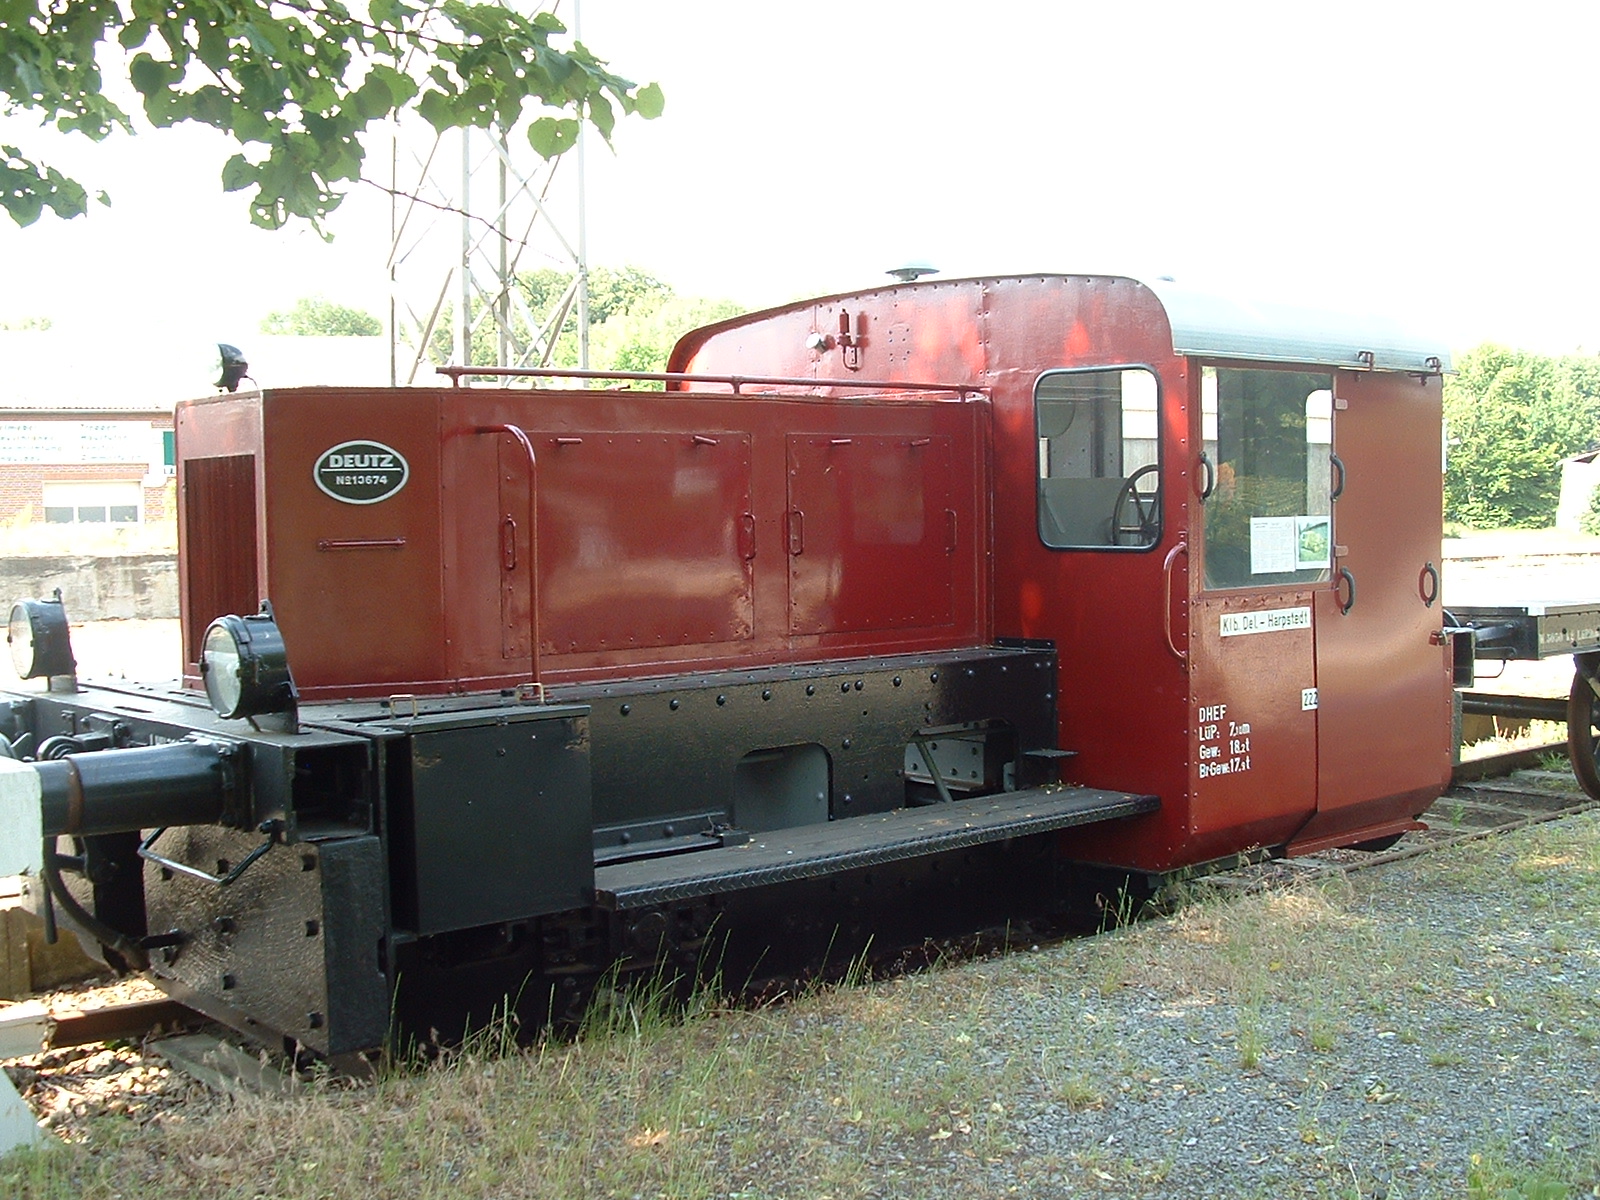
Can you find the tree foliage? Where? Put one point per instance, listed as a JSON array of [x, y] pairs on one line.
[[612, 291], [642, 338], [295, 83], [313, 316], [1511, 418], [634, 319]]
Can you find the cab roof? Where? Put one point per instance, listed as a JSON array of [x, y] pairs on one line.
[[1217, 325], [1206, 324]]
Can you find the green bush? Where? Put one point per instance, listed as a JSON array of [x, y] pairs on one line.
[[1511, 417]]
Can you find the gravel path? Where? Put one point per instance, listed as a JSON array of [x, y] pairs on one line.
[[1393, 1094], [1427, 1028]]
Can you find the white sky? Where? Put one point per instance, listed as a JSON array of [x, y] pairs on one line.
[[1431, 161]]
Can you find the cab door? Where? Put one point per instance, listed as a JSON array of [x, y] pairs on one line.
[[1264, 550], [1383, 683]]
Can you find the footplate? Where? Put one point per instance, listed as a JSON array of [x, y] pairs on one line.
[[809, 851]]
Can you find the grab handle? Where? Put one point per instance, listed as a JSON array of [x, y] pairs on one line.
[[1182, 548], [1345, 577], [1428, 585]]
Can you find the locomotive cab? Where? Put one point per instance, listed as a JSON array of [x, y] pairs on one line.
[[1226, 517]]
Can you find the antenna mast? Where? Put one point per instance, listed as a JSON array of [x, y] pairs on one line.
[[455, 299]]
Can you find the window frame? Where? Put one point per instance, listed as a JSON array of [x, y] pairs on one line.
[[1160, 461], [1201, 531], [81, 495]]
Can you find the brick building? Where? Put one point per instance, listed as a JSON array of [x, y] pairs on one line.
[[85, 466], [86, 436]]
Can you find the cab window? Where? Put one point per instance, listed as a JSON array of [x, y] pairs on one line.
[[1099, 466], [1268, 442]]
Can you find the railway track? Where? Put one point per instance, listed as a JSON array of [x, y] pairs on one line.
[[1490, 795]]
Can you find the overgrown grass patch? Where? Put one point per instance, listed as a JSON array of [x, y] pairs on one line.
[[936, 1084], [1276, 945], [1555, 1172]]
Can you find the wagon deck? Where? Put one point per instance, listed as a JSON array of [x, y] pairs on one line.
[[1532, 630], [1535, 630]]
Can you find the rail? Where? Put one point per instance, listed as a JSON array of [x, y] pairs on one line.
[[457, 374]]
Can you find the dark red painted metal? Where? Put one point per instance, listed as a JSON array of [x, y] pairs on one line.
[[1383, 678], [361, 543], [873, 554], [1253, 745], [652, 541], [1181, 550]]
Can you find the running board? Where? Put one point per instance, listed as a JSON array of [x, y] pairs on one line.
[[809, 851]]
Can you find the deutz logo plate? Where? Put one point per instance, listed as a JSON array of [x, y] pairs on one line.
[[361, 472]]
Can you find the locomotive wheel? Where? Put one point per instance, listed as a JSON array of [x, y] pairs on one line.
[[1583, 733]]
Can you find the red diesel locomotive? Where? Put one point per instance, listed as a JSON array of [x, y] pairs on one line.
[[892, 612]]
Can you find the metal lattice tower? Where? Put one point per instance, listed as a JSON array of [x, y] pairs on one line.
[[470, 209]]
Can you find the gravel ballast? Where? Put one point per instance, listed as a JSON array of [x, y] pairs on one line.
[[1425, 1028]]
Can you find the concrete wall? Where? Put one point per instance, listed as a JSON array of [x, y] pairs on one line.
[[96, 589], [28, 963]]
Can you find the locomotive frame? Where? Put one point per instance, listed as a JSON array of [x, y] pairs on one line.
[[976, 591]]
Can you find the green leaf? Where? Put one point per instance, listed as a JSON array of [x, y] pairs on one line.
[[27, 189], [212, 106], [601, 116], [1511, 418], [550, 136], [388, 12], [435, 109], [315, 317], [649, 102], [148, 74], [237, 173], [476, 104]]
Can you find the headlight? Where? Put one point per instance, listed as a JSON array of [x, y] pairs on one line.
[[41, 643], [245, 667]]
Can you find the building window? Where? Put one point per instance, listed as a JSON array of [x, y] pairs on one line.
[[109, 503]]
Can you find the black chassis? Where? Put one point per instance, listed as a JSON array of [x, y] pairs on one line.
[[426, 858]]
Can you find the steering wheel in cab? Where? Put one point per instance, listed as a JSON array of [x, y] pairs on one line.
[[1142, 526]]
